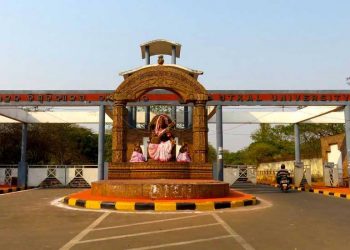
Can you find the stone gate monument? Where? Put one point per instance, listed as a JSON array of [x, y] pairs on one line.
[[154, 178]]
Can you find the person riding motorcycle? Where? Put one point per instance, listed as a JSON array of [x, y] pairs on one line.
[[283, 172]]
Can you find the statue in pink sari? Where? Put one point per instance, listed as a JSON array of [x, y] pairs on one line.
[[137, 155], [161, 140], [183, 155]]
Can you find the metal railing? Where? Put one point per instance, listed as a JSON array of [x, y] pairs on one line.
[[242, 173], [269, 176], [7, 171], [58, 175]]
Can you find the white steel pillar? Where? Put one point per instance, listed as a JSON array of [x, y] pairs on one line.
[[219, 143], [22, 165], [347, 137], [101, 142], [297, 143]]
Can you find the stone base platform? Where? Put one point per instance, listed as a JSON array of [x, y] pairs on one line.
[[160, 170], [161, 189]]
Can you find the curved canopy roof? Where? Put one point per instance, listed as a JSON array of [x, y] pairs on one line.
[[160, 47], [326, 114]]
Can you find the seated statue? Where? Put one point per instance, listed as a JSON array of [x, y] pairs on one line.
[[137, 155], [183, 155], [161, 140]]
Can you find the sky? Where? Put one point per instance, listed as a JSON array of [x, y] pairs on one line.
[[275, 44]]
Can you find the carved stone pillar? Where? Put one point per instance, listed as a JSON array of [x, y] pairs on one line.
[[200, 132], [119, 132]]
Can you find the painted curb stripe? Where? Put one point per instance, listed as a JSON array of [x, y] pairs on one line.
[[185, 206], [237, 204], [165, 206], [128, 206], [205, 206], [80, 203], [93, 204], [159, 206], [71, 202], [248, 202], [107, 205], [144, 206], [223, 204], [11, 190]]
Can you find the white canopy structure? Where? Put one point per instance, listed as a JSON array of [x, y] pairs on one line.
[[14, 115], [310, 114]]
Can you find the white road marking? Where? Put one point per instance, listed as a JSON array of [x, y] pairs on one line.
[[233, 233], [92, 227], [262, 205], [148, 222], [58, 203], [147, 233], [81, 235], [181, 243]]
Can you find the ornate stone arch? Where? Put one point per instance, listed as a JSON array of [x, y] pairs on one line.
[[170, 78]]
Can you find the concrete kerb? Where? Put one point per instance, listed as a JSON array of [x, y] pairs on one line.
[[161, 206], [315, 190], [13, 189]]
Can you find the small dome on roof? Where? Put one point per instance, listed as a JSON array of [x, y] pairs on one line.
[[160, 47]]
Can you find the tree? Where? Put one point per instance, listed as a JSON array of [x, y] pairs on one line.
[[276, 143], [212, 156], [49, 144], [10, 143], [310, 135]]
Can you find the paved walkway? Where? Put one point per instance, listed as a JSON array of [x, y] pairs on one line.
[[29, 221]]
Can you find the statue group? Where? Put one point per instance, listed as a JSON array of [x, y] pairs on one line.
[[161, 146]]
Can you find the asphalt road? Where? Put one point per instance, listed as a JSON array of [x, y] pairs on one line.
[[294, 220]]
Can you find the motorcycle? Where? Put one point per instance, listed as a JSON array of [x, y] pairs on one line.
[[284, 184]]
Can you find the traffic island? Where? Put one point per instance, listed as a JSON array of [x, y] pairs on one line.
[[86, 199]]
